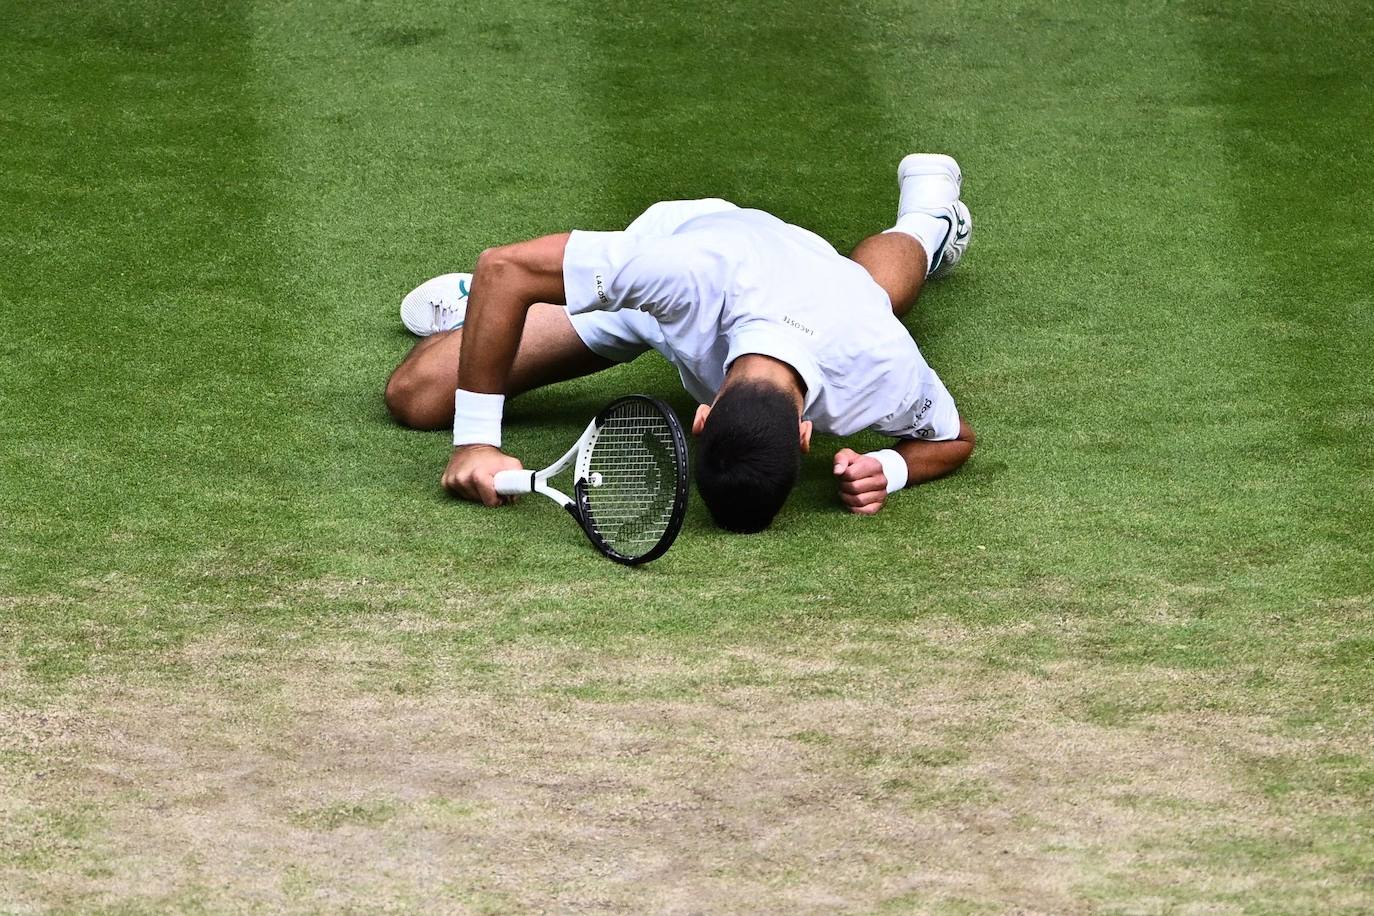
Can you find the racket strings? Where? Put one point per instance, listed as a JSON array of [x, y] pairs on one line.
[[631, 495]]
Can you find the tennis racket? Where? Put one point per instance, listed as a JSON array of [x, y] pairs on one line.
[[629, 489]]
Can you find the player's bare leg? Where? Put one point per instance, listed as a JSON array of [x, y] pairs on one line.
[[419, 393], [897, 263], [930, 237]]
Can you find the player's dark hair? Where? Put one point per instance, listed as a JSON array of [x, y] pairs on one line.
[[748, 455]]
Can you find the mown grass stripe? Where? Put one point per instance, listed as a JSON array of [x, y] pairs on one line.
[[1297, 99], [145, 451], [750, 101]]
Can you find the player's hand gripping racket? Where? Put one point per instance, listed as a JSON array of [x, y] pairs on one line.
[[629, 479]]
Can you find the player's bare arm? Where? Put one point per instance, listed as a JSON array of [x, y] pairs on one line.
[[507, 282], [864, 481]]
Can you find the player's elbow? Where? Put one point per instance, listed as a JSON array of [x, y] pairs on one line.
[[966, 434], [958, 450], [522, 272], [518, 261], [519, 273], [494, 263], [966, 439]]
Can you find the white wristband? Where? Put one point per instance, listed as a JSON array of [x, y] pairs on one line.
[[894, 468], [477, 418]]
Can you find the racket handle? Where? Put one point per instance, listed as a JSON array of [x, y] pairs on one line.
[[510, 483]]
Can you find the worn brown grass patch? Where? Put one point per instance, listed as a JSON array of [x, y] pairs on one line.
[[841, 775]]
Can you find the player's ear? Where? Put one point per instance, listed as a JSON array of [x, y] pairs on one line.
[[699, 421], [806, 435]]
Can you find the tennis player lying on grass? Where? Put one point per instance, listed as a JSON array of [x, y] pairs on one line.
[[771, 330]]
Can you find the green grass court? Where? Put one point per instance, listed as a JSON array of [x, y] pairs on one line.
[[251, 658]]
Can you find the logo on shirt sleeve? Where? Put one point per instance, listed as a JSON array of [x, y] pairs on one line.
[[794, 323], [910, 423], [926, 431], [601, 289]]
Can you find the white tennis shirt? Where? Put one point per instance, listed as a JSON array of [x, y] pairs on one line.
[[722, 282]]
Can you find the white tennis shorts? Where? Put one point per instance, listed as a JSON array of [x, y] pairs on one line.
[[624, 334]]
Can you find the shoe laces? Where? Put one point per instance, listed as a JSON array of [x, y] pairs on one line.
[[441, 311]]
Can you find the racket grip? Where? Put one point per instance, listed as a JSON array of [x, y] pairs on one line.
[[510, 483]]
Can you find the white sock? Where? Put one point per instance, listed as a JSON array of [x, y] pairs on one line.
[[930, 231]]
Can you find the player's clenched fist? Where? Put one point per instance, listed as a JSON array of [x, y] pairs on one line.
[[471, 473], [863, 486]]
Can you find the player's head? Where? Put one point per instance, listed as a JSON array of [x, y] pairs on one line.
[[749, 449]]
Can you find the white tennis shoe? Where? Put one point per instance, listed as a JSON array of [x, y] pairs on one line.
[[437, 305], [930, 183]]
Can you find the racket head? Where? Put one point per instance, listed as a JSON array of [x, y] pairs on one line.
[[630, 493]]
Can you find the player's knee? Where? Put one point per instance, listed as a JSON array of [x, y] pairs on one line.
[[399, 393], [413, 403]]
